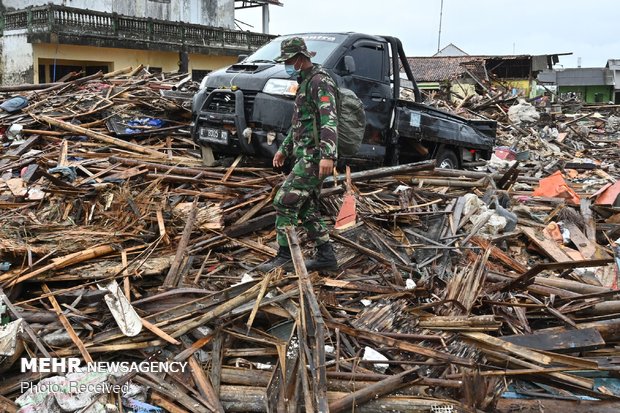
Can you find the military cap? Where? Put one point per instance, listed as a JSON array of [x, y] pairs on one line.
[[292, 46]]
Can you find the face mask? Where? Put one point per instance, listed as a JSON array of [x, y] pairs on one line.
[[290, 69]]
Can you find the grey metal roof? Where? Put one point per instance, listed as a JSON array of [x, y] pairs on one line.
[[584, 77]]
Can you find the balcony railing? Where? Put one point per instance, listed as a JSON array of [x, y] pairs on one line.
[[73, 21]]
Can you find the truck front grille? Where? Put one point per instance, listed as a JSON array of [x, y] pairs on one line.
[[224, 102]]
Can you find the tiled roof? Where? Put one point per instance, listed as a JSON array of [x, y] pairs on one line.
[[436, 69], [439, 68]]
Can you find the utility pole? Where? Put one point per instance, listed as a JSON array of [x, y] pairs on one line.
[[439, 35], [266, 18]]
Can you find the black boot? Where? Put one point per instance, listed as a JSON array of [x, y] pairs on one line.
[[282, 259], [325, 259]]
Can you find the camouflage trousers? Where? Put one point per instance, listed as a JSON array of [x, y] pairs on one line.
[[298, 200]]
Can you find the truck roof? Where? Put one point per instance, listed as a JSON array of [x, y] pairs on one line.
[[348, 34]]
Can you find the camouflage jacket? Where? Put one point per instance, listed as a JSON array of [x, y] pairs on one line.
[[300, 140]]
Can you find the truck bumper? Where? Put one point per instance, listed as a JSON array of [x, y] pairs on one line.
[[234, 122]]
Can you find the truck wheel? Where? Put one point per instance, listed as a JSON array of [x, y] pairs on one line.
[[446, 159]]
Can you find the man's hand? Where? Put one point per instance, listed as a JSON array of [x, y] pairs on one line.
[[325, 167], [278, 160]]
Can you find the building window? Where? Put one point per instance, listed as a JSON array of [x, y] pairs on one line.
[[51, 70], [57, 72], [198, 75], [42, 78]]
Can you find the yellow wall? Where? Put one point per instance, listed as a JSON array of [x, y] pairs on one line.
[[120, 58], [522, 86], [462, 89]]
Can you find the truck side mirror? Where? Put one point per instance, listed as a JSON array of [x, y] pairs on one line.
[[349, 65], [241, 58]]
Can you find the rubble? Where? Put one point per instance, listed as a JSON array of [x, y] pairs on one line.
[[457, 290]]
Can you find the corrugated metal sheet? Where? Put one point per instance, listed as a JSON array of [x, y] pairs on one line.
[[547, 76], [584, 77]]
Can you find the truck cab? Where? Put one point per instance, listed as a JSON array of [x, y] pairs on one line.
[[247, 107]]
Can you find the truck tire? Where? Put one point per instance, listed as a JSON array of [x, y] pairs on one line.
[[447, 159]]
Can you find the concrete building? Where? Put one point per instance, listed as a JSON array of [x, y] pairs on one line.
[[613, 65], [594, 85], [42, 40]]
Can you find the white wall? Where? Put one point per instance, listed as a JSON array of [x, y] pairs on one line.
[[219, 13], [16, 59]]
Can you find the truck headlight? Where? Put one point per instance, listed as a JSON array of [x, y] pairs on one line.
[[281, 87]]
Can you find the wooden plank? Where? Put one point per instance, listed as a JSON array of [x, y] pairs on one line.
[[350, 402], [251, 225], [400, 344], [12, 154], [7, 405], [173, 278], [546, 245], [587, 248], [526, 278], [161, 401], [499, 254], [311, 333], [173, 392], [204, 384], [59, 263], [561, 377], [508, 347], [253, 399], [100, 136], [67, 325], [159, 332], [549, 405], [64, 150], [232, 167], [563, 341]]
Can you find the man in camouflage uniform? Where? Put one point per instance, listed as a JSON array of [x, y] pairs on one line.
[[312, 141]]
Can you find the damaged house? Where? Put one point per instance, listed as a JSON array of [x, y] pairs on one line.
[[42, 41], [461, 74]]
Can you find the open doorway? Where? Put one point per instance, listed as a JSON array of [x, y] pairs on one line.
[[51, 70]]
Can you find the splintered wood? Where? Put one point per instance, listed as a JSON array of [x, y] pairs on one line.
[[457, 291]]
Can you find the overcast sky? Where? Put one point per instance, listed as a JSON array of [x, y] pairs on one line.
[[588, 29]]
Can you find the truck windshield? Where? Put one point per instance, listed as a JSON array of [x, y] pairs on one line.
[[322, 44]]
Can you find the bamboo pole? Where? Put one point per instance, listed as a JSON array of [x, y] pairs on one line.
[[67, 325]]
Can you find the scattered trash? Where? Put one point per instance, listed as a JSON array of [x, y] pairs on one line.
[[523, 112], [149, 123], [124, 314], [554, 186], [14, 104], [14, 132], [373, 355]]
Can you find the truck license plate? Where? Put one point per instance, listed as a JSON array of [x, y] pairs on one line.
[[214, 135]]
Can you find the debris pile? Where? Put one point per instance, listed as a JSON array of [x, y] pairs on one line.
[[457, 290]]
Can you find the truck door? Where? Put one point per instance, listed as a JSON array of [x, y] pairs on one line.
[[371, 82]]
